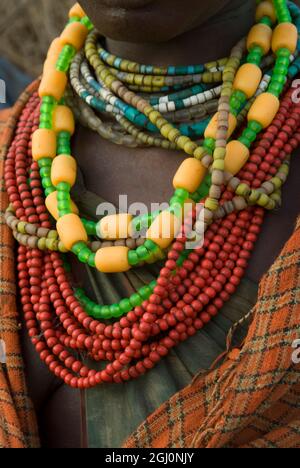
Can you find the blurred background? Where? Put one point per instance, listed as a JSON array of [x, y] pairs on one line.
[[26, 30]]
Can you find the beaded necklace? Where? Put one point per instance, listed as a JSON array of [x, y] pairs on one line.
[[221, 173]]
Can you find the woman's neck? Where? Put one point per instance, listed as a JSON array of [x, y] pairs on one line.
[[211, 40]]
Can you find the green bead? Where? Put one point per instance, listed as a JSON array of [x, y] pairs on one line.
[[115, 311], [142, 253], [45, 162], [245, 141], [133, 258], [136, 300], [151, 246], [255, 126], [105, 312], [145, 292], [84, 255], [125, 306], [181, 194], [64, 187], [76, 249], [45, 171], [49, 100], [45, 125]]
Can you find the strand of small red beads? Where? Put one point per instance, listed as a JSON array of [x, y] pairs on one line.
[[182, 303]]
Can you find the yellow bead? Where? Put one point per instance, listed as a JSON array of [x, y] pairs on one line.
[[115, 226], [112, 260], [285, 36], [50, 64], [55, 48], [237, 155], [43, 144], [52, 206], [248, 79], [74, 34], [53, 84], [265, 9], [189, 175], [211, 130], [63, 120], [260, 35], [71, 230], [76, 11], [64, 169], [264, 109], [163, 229]]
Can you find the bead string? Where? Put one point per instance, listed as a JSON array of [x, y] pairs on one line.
[[192, 286]]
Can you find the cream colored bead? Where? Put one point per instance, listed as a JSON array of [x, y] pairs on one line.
[[55, 48], [189, 175], [43, 144], [115, 227], [211, 129], [285, 36], [112, 260], [248, 79], [63, 120], [164, 229], [265, 9], [52, 206], [264, 109], [76, 11], [54, 83], [71, 230], [260, 35], [237, 155], [74, 34], [64, 169]]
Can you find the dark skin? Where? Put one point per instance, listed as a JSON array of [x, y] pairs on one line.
[[160, 32]]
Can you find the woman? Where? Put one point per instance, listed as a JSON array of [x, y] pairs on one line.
[[164, 33]]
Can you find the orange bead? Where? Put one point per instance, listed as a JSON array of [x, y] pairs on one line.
[[164, 229], [49, 64], [264, 109], [260, 35], [64, 169], [43, 144], [211, 129], [189, 175], [52, 206], [248, 79], [63, 120], [266, 9], [115, 226], [112, 260], [76, 11], [71, 230], [236, 157], [53, 84], [285, 36], [74, 34], [55, 48]]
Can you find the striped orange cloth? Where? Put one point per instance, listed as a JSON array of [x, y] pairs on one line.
[[253, 399], [18, 428]]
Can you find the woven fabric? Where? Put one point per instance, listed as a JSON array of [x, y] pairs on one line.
[[18, 428], [253, 399]]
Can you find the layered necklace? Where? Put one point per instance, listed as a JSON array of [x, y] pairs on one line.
[[235, 123]]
